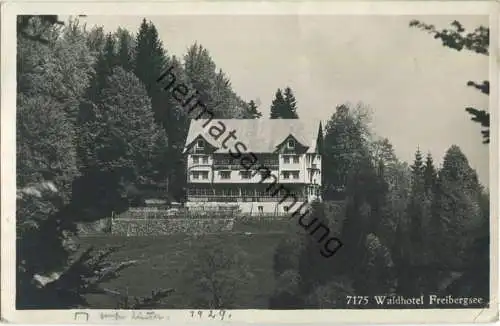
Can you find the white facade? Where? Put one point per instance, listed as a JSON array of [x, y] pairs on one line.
[[217, 179]]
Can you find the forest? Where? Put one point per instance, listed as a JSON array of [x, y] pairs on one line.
[[94, 127]]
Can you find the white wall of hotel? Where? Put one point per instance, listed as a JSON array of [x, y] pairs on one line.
[[303, 166], [251, 208]]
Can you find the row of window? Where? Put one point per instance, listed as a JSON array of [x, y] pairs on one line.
[[244, 175], [287, 159], [200, 175], [245, 192], [290, 158], [198, 158], [200, 144]]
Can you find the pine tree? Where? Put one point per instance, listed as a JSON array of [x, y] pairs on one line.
[[151, 59], [125, 49], [291, 103], [283, 105], [430, 174], [457, 208], [417, 167], [253, 110], [415, 251]]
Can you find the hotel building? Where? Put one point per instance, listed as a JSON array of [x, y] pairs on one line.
[[220, 171]]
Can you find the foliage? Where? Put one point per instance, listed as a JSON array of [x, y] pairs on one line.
[[45, 147], [477, 41], [345, 142], [402, 228], [56, 280], [122, 145], [43, 23], [331, 295], [253, 110], [284, 105], [54, 71], [147, 302], [215, 272], [287, 254], [287, 291]]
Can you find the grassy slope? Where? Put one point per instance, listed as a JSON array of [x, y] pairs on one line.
[[161, 263]]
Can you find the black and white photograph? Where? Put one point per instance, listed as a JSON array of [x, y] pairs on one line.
[[221, 162]]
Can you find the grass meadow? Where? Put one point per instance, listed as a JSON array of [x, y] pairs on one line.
[[162, 262]]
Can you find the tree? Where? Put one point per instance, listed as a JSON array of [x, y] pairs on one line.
[[284, 105], [45, 148], [457, 207], [383, 151], [287, 293], [54, 68], [331, 295], [125, 49], [430, 174], [253, 110], [213, 85], [364, 199], [150, 61], [345, 142], [120, 146], [415, 249], [291, 103], [477, 41], [43, 22], [61, 69], [215, 272], [277, 105], [64, 278], [96, 39]]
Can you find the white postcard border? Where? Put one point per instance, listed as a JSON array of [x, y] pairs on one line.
[[8, 161]]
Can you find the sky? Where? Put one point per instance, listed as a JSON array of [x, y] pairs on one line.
[[415, 87]]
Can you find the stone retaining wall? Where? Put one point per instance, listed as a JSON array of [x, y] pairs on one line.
[[98, 227], [147, 227]]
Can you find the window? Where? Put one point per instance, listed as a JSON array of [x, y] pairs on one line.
[[295, 174], [205, 159], [225, 174], [295, 159], [261, 209], [285, 209], [286, 159], [204, 175], [196, 175], [290, 144], [196, 159], [246, 174], [200, 143], [286, 175]]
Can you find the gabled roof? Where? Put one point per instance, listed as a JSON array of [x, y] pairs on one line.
[[258, 135]]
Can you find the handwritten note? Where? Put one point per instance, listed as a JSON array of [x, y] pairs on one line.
[[150, 315], [81, 316], [210, 314], [142, 315]]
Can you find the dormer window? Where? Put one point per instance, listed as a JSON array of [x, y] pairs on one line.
[[200, 144], [290, 144]]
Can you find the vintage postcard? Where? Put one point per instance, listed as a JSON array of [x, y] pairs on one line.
[[249, 162]]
